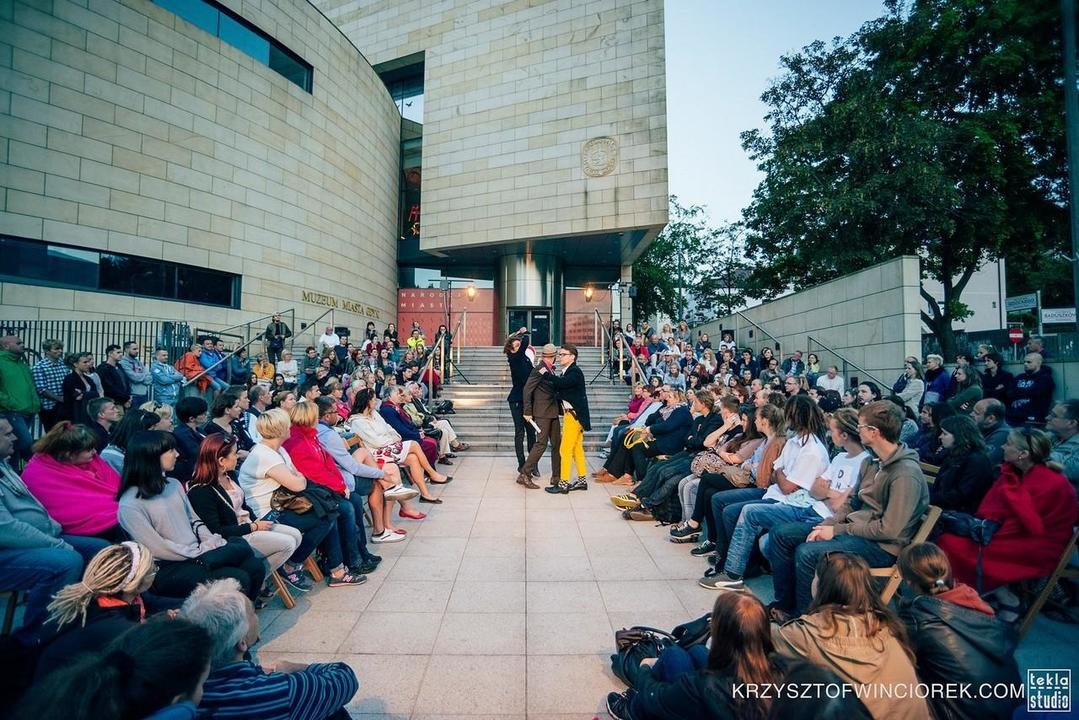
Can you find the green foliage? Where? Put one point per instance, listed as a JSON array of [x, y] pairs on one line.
[[664, 273], [935, 130]]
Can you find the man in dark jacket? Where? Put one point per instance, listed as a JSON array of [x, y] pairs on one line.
[[1031, 393], [570, 387], [516, 351], [114, 383], [541, 407], [988, 415]]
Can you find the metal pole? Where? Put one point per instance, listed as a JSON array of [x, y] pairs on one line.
[[1071, 124], [1041, 328]]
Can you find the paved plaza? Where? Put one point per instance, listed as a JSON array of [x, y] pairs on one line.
[[503, 604]]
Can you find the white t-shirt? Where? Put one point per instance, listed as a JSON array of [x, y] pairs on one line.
[[803, 460], [842, 475], [257, 485], [826, 383]]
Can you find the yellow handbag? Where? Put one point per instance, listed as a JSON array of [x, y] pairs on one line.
[[635, 437]]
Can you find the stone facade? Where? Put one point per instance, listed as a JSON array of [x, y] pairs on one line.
[[124, 128], [513, 94]]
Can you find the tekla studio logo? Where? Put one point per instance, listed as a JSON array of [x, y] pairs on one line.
[[1049, 691]]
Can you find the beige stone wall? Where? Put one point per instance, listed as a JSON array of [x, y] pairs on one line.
[[513, 91], [124, 128], [870, 317]]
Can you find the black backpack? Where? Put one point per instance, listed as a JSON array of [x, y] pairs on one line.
[[669, 510]]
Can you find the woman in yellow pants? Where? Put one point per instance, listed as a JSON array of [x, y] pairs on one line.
[[571, 393]]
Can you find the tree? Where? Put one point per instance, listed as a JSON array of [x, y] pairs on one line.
[[723, 271], [935, 130], [668, 268]]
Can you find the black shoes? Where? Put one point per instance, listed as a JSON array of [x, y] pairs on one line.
[[707, 548], [564, 488], [618, 705]]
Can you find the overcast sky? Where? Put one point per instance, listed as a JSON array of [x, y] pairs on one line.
[[721, 55]]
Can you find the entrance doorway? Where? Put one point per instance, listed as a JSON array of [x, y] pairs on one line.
[[537, 320]]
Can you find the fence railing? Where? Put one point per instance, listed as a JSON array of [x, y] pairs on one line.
[[609, 354], [94, 336], [1059, 345], [845, 364]]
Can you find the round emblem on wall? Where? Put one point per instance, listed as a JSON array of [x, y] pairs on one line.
[[599, 156]]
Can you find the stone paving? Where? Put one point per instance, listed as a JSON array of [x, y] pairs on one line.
[[503, 603]]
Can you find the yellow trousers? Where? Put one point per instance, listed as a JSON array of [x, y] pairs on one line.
[[572, 448]]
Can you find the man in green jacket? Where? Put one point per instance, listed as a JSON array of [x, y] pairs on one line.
[[18, 396]]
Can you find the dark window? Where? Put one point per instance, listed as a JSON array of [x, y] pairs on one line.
[[38, 263], [221, 22]]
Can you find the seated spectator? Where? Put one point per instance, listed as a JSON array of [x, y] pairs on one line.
[[393, 412], [132, 422], [1063, 423], [269, 468], [988, 415], [996, 381], [239, 688], [240, 367], [155, 511], [190, 366], [968, 389], [366, 478], [152, 667], [938, 383], [664, 431], [1031, 392], [344, 550], [285, 400], [219, 502], [868, 392], [308, 366], [165, 414], [875, 522], [965, 469], [212, 361], [76, 487], [258, 402], [87, 615], [770, 371], [819, 489], [912, 392], [818, 706], [927, 442], [448, 442], [191, 412], [794, 365], [387, 445], [909, 432], [165, 380], [228, 419], [701, 682], [264, 370], [103, 415], [831, 380], [674, 377], [35, 556], [849, 629], [956, 636], [813, 369], [1036, 510], [114, 383]]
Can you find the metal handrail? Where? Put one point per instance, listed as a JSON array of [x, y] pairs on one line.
[[224, 357], [776, 340], [610, 345], [883, 384], [248, 324], [431, 360], [455, 341], [311, 326]]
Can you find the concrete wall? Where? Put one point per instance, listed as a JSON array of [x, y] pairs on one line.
[[513, 92], [871, 317], [124, 128]]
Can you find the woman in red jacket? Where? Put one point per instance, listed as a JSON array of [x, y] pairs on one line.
[[1036, 508], [315, 464]]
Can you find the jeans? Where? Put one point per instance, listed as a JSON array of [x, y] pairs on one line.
[[718, 503], [217, 383], [22, 425], [351, 533], [521, 430], [41, 572], [794, 561], [687, 493], [662, 478], [675, 661], [313, 529], [177, 578], [755, 519]]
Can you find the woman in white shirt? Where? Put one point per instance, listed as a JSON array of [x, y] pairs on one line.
[[269, 467], [387, 445]]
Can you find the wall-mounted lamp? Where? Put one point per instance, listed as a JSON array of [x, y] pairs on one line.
[[471, 292], [588, 293]]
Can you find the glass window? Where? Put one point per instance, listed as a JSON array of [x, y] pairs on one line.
[[195, 12], [209, 287], [136, 276], [290, 66], [245, 39]]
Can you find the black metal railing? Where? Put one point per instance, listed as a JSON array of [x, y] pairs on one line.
[[94, 336]]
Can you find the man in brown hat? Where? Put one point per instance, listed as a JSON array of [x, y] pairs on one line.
[[542, 408]]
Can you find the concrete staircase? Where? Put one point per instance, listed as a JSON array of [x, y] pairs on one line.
[[482, 415]]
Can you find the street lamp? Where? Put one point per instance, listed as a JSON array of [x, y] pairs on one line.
[[471, 292], [588, 293]]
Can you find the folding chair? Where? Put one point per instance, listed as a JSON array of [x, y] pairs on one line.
[[1062, 571], [282, 590], [12, 597], [312, 568], [930, 472], [892, 573]]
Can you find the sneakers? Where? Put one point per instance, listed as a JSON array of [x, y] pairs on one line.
[[618, 705], [296, 579], [641, 513], [348, 578], [721, 581], [387, 536], [366, 567], [561, 488], [627, 501], [706, 548], [684, 533], [400, 492]]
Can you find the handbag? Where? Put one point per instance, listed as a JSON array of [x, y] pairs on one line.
[[635, 644], [707, 461], [284, 500], [979, 530], [635, 437]]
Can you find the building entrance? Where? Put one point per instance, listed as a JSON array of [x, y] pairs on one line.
[[537, 320]]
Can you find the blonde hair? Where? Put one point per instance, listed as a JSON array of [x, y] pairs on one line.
[[938, 358], [115, 570], [304, 414], [273, 424], [163, 411], [678, 396]]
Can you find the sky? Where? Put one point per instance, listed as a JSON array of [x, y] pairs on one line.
[[721, 56]]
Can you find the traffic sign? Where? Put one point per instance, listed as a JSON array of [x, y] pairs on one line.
[[1015, 334], [1058, 315], [1021, 302]]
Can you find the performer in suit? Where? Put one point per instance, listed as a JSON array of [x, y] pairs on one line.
[[571, 394], [542, 407]]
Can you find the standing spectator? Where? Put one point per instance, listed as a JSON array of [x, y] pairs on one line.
[[114, 382], [912, 392], [103, 415], [34, 554], [966, 472], [1037, 345], [165, 379], [938, 383], [1063, 423], [1031, 393], [968, 389], [988, 415], [18, 396], [275, 336], [328, 340], [238, 688], [996, 381], [956, 636], [49, 373], [138, 377], [830, 380]]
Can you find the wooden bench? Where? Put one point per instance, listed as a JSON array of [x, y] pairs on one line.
[[929, 520], [1063, 570]]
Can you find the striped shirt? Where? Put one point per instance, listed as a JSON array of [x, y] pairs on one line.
[[245, 691], [49, 375]]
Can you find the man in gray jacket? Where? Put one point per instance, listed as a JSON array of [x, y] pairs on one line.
[[34, 557], [137, 374]]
